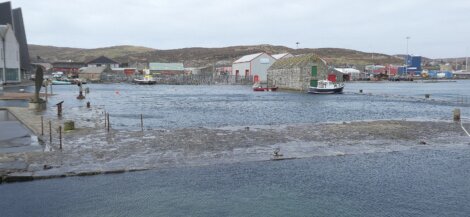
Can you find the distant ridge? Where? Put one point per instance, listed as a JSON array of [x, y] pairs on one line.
[[198, 56]]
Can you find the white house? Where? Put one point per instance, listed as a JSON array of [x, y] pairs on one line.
[[9, 55], [282, 56], [255, 65]]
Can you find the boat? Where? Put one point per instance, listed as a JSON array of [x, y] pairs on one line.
[[259, 87], [327, 87], [265, 88], [58, 82], [147, 79]]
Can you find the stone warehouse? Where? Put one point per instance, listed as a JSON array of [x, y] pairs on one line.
[[300, 72]]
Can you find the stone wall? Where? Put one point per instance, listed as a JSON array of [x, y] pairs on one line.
[[296, 78]]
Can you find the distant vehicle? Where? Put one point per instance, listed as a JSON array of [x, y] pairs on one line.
[[327, 87]]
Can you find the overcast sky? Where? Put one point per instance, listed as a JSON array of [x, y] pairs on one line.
[[436, 28]]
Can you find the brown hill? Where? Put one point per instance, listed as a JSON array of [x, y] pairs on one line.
[[197, 57]]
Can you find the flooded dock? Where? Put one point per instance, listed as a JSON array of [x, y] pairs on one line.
[[178, 126]]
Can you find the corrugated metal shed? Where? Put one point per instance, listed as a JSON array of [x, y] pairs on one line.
[[166, 66]]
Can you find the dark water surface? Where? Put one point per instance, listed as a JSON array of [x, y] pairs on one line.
[[420, 182], [169, 106]]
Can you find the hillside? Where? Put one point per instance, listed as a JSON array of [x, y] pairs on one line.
[[196, 56]]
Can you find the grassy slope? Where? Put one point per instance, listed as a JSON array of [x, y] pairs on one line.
[[202, 56]]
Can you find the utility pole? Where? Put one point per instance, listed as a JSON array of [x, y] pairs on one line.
[[466, 60]]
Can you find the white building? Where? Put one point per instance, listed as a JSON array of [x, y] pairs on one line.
[[351, 74], [9, 55], [255, 65], [282, 56]]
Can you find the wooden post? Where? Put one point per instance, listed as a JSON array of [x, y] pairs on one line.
[[50, 131], [42, 125], [60, 137], [456, 114], [142, 122]]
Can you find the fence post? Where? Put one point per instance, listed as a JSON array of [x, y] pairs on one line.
[[42, 125]]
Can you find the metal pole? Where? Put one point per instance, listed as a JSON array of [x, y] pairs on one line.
[[60, 137], [407, 54], [50, 131], [42, 126], [46, 92], [142, 122]]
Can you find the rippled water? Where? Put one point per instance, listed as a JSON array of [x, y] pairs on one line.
[[417, 182], [167, 106], [421, 182]]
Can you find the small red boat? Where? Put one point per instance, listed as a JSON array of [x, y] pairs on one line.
[[264, 88]]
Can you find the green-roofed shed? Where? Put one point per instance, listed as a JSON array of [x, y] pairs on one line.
[[300, 72], [166, 68]]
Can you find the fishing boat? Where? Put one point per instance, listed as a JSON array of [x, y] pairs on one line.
[[147, 79], [327, 87]]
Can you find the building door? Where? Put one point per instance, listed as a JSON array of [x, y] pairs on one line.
[[247, 73], [314, 72], [332, 77]]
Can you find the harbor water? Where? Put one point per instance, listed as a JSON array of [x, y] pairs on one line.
[[423, 182], [173, 106], [419, 181]]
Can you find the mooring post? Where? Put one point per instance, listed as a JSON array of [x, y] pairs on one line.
[[456, 114], [42, 125], [59, 108], [50, 131], [109, 123], [142, 122], [60, 137]]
